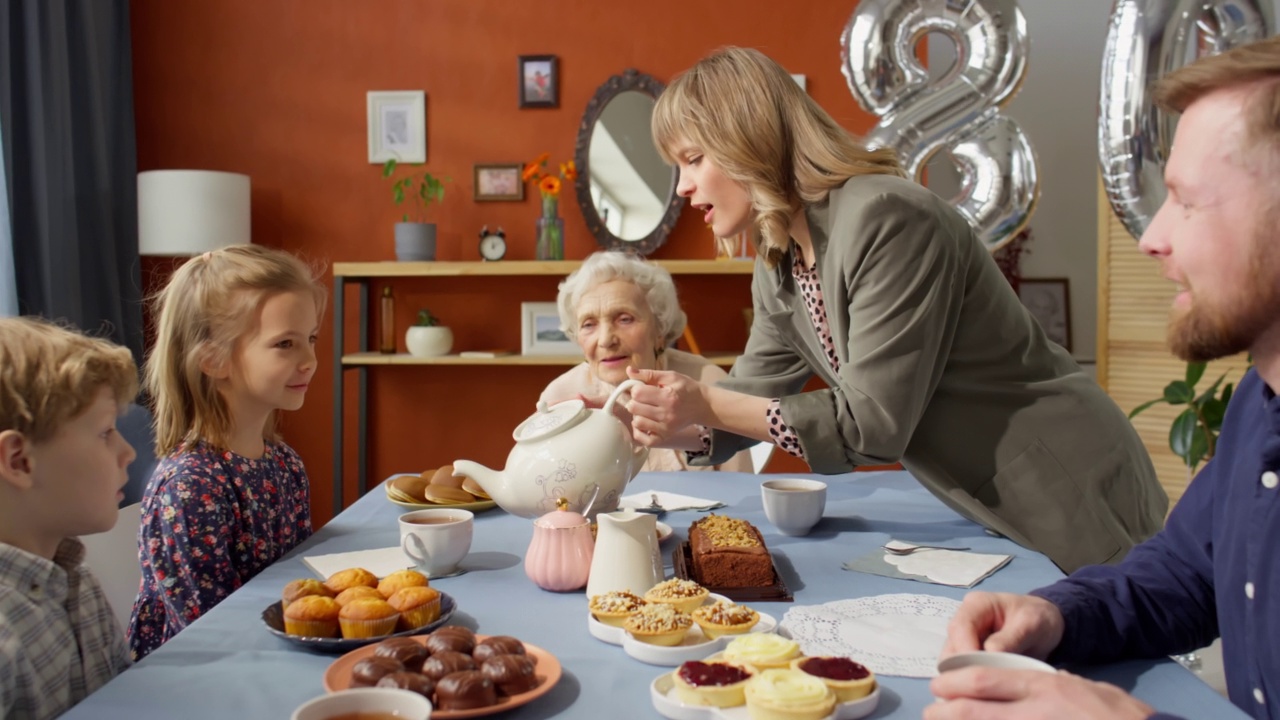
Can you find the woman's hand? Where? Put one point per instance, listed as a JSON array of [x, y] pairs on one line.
[[983, 693], [667, 403]]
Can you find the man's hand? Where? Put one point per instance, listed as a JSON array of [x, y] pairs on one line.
[[1004, 622], [983, 693]]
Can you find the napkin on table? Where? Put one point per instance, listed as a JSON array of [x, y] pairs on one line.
[[669, 501], [956, 568], [381, 562]]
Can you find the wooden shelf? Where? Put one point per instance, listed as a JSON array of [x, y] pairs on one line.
[[371, 358], [522, 267]]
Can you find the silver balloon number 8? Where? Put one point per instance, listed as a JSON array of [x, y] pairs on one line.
[[960, 111], [1147, 39]]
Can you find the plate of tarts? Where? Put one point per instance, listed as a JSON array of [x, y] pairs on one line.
[[698, 641]]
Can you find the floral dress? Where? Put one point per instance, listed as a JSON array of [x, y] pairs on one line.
[[211, 520]]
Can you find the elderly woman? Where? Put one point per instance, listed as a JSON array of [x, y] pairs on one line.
[[624, 313]]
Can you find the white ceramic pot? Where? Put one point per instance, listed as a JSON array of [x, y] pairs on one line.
[[428, 341]]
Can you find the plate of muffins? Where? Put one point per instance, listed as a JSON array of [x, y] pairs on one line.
[[437, 487], [465, 675], [354, 608]]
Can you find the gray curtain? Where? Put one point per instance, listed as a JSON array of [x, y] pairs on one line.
[[8, 284], [70, 160]]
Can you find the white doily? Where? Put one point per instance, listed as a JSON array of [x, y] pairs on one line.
[[899, 634]]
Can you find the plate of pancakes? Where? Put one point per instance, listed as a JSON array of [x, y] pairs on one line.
[[435, 488]]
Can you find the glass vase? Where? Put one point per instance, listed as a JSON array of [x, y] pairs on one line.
[[550, 231]]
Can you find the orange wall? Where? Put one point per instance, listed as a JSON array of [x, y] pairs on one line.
[[276, 89]]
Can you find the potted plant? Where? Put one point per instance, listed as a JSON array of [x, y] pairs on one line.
[[415, 237], [1194, 433], [427, 338]]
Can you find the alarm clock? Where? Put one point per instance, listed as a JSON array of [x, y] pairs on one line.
[[493, 245]]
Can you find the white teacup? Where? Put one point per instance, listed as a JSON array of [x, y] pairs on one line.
[[794, 505], [436, 540], [984, 658], [397, 703]]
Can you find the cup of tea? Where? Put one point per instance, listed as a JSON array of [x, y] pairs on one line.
[[794, 505], [436, 540], [985, 658], [375, 703]]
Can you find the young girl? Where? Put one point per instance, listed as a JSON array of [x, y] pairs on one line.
[[235, 344]]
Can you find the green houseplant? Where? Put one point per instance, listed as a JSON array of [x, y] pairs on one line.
[[1194, 433], [427, 337], [415, 237]]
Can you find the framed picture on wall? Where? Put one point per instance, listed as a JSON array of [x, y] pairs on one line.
[[1049, 301], [498, 181], [540, 332], [539, 81], [397, 126]]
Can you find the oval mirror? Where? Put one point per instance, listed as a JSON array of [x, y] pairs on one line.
[[626, 192]]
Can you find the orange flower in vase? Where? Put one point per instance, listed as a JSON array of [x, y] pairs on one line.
[[550, 244]]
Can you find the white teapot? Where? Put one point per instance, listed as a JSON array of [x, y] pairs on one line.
[[565, 451]]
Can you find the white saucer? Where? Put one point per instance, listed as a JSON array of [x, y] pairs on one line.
[[664, 532], [665, 701]]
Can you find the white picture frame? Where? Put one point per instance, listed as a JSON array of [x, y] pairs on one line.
[[540, 332], [397, 126]]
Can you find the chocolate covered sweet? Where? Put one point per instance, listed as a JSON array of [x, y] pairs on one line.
[[370, 670], [497, 645], [511, 674], [446, 662], [465, 690], [411, 681], [441, 641], [410, 653]]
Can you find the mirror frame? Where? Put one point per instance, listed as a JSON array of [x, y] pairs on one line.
[[630, 80]]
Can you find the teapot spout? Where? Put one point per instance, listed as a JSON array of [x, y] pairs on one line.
[[490, 480]]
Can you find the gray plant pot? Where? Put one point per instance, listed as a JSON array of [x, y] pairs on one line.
[[415, 241]]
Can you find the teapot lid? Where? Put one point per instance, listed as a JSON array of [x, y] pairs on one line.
[[550, 420], [561, 517]]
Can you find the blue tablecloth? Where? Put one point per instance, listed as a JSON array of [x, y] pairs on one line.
[[226, 666]]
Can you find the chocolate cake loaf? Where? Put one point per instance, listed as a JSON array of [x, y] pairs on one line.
[[728, 552]]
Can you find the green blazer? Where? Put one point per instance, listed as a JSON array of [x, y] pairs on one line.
[[944, 370]]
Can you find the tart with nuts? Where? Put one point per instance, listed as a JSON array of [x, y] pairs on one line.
[[683, 595], [659, 624], [725, 618], [613, 608]]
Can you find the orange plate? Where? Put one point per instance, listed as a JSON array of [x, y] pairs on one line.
[[547, 670]]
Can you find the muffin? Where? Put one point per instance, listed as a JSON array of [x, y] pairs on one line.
[[302, 588], [399, 580], [762, 650], [786, 694], [683, 595], [713, 683], [368, 671], [466, 690], [312, 616], [613, 608], [351, 577], [659, 624], [849, 680], [359, 591], [495, 646], [418, 606], [407, 651], [725, 618], [510, 674], [367, 618]]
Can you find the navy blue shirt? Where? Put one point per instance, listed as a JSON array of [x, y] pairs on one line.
[[1213, 570]]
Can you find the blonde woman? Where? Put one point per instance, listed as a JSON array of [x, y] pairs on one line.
[[235, 345], [880, 288], [624, 313]]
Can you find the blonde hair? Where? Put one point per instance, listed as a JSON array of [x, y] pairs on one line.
[[1255, 63], [52, 374], [208, 305], [602, 267], [743, 111]]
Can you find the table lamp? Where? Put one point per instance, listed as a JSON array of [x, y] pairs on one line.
[[189, 212]]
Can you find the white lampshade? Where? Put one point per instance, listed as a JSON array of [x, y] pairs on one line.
[[188, 212]]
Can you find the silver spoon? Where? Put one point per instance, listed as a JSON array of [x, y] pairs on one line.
[[653, 506], [908, 550]]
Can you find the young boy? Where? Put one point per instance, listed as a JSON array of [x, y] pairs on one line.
[[62, 467]]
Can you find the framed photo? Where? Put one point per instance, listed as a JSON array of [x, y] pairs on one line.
[[540, 332], [1049, 301], [539, 81], [499, 181], [397, 126]]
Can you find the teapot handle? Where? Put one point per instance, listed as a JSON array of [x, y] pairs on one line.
[[613, 396]]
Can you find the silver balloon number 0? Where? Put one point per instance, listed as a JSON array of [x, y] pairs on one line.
[[1147, 39], [960, 111]]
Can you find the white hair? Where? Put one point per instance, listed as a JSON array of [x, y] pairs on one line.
[[602, 267]]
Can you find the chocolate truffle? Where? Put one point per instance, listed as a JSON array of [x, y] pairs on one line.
[[443, 663], [440, 641], [410, 653], [497, 645], [370, 670], [465, 690], [511, 674], [411, 681]]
